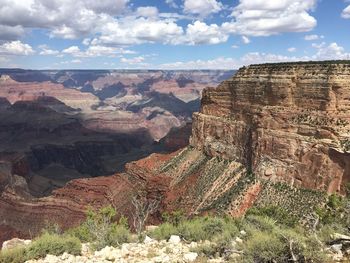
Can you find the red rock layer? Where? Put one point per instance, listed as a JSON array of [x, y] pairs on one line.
[[287, 122], [67, 206]]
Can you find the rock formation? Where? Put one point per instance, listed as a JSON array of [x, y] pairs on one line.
[[286, 122]]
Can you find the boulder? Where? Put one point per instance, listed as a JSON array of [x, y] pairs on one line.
[[190, 257], [15, 242], [174, 239]]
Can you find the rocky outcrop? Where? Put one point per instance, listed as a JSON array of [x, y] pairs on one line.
[[285, 122]]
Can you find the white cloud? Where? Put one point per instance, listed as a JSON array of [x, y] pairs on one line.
[[235, 46], [324, 52], [46, 51], [129, 31], [65, 18], [171, 3], [71, 50], [231, 63], [86, 41], [331, 52], [321, 45], [96, 51], [265, 18], [346, 12], [201, 33], [245, 40], [16, 48], [313, 37], [147, 11], [76, 61], [73, 61], [202, 7], [291, 49], [139, 61]]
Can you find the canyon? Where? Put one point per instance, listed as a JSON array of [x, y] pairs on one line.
[[272, 133]]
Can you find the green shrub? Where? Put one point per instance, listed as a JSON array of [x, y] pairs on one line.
[[15, 255], [193, 230], [197, 229], [53, 244], [100, 230], [164, 231], [277, 213], [118, 235], [47, 243], [335, 210], [207, 250], [174, 217], [253, 223], [81, 232], [264, 247], [270, 242]]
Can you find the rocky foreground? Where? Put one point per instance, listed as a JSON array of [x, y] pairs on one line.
[[173, 250]]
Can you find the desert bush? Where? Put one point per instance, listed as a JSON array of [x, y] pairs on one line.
[[47, 243], [277, 213], [164, 231], [254, 223], [267, 241], [118, 235], [335, 210], [174, 217], [53, 244], [206, 250], [263, 247], [15, 255], [100, 230], [199, 229]]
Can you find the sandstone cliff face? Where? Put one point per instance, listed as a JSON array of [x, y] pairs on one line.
[[287, 122]]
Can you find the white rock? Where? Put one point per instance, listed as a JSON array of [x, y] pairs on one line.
[[85, 249], [174, 239], [338, 256], [15, 242], [233, 244], [190, 257], [337, 248], [148, 240], [161, 259], [339, 236], [238, 240], [243, 233], [51, 259], [65, 255], [193, 245]]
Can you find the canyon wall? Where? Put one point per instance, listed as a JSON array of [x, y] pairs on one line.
[[286, 122], [283, 123]]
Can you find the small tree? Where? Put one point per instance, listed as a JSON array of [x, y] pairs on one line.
[[144, 207], [99, 224]]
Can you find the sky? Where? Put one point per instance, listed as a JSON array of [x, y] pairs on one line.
[[170, 34]]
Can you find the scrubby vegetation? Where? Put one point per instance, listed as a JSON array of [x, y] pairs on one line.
[[47, 243], [100, 229], [267, 233]]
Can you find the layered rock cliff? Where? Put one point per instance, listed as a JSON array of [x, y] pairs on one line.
[[286, 122], [267, 124]]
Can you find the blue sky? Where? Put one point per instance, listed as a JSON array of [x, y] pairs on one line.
[[170, 34]]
